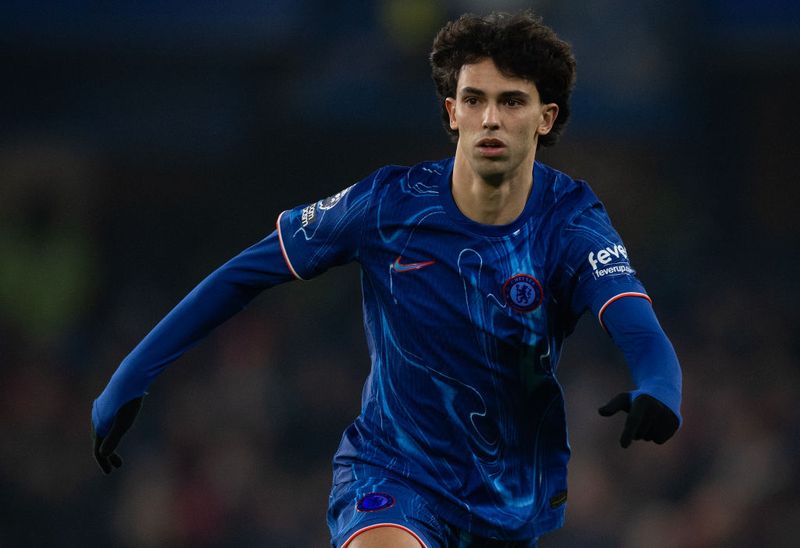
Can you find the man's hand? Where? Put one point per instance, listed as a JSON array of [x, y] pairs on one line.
[[648, 419], [105, 446]]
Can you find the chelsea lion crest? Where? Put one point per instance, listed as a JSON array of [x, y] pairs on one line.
[[523, 292]]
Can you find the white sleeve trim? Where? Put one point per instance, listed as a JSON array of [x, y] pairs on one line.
[[283, 249], [617, 297]]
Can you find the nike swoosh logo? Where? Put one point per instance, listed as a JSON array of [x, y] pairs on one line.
[[397, 266]]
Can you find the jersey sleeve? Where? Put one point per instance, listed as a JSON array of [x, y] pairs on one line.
[[650, 356], [219, 296], [596, 268], [325, 233]]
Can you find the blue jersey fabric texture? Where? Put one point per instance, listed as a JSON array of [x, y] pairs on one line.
[[465, 324]]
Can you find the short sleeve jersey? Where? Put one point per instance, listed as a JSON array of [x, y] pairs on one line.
[[464, 324]]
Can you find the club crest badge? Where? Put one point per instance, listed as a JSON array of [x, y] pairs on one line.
[[372, 502], [523, 292]]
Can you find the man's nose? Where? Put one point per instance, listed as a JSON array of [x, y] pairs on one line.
[[490, 117]]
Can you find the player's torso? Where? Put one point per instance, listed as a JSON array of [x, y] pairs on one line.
[[443, 289], [439, 286], [458, 323]]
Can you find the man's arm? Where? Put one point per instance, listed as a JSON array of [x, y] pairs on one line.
[[221, 295], [309, 239], [653, 407]]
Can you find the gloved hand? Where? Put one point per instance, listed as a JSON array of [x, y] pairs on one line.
[[105, 446], [648, 419]]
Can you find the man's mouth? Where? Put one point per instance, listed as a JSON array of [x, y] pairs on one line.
[[491, 147], [491, 143]]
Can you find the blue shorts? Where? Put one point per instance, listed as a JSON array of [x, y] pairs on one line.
[[359, 505]]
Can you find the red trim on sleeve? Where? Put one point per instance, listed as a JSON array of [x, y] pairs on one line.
[[375, 526], [616, 298], [283, 249]]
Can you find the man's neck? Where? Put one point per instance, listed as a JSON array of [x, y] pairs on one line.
[[492, 201]]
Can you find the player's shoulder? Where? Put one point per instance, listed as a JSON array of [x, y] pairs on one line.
[[565, 195], [421, 178], [426, 169]]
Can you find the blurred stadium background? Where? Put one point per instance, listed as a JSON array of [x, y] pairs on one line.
[[144, 143]]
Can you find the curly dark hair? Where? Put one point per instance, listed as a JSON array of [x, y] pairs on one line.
[[520, 45]]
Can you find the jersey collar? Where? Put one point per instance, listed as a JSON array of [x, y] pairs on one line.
[[449, 203]]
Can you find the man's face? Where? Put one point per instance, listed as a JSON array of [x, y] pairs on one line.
[[499, 120]]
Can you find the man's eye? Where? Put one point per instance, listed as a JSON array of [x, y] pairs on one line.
[[513, 102], [471, 100]]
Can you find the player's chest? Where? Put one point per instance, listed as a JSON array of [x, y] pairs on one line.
[[439, 273]]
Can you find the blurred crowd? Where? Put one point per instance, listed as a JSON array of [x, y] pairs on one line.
[[128, 172]]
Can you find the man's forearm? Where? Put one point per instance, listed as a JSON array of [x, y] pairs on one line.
[[221, 295], [633, 326]]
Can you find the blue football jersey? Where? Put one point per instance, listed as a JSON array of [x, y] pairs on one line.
[[465, 323]]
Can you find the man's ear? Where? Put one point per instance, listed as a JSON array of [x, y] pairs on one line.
[[549, 115], [450, 105]]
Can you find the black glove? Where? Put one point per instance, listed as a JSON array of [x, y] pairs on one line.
[[105, 446], [648, 419]]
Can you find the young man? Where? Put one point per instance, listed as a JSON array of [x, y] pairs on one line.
[[474, 270]]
